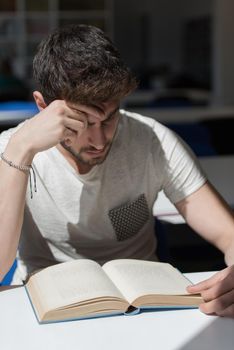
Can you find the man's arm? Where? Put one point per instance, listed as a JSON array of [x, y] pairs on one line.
[[13, 186], [42, 132], [208, 214]]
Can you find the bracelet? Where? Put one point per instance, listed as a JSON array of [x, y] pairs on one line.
[[19, 167], [25, 168]]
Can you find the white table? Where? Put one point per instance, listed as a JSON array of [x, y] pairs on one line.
[[219, 171], [164, 330]]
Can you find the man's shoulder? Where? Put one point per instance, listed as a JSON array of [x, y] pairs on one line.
[[138, 118], [6, 135], [144, 123]]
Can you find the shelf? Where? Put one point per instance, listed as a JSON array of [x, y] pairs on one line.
[[24, 23]]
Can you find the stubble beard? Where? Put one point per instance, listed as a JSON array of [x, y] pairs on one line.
[[79, 157]]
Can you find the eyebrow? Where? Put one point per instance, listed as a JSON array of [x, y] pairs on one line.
[[111, 114]]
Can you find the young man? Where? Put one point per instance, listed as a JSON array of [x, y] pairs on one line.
[[98, 171]]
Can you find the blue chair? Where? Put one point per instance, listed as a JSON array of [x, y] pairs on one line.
[[19, 106], [8, 278]]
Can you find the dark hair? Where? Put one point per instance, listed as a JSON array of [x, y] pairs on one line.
[[78, 63]]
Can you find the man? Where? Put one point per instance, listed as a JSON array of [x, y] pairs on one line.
[[98, 171]]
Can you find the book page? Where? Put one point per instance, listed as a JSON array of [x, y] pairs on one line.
[[136, 278], [71, 282]]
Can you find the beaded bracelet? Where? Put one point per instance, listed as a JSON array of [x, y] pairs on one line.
[[25, 168]]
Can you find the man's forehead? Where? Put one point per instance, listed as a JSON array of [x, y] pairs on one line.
[[98, 111]]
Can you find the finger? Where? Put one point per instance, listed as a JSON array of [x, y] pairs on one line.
[[61, 107], [77, 117], [95, 111], [69, 132], [208, 283], [219, 304], [228, 312], [74, 125], [222, 287], [70, 113]]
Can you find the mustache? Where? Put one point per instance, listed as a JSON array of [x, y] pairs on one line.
[[92, 148], [83, 149]]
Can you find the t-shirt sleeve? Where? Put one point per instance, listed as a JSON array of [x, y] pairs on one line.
[[6, 135], [182, 173]]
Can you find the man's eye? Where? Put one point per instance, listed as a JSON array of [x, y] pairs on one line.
[[106, 122], [109, 120]]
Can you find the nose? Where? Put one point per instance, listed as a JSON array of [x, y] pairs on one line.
[[97, 138]]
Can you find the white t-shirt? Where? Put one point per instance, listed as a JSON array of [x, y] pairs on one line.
[[106, 213]]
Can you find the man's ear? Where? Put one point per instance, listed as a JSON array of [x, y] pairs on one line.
[[39, 99]]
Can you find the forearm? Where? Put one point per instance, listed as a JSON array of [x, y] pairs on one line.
[[208, 214], [229, 253], [47, 129], [223, 235], [13, 185]]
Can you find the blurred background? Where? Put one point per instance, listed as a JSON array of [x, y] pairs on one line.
[[183, 55], [170, 45]]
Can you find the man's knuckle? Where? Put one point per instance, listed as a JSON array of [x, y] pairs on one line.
[[209, 295], [229, 278], [220, 304], [56, 103]]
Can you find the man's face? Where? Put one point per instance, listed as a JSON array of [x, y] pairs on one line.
[[92, 145]]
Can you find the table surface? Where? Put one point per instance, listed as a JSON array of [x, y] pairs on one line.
[[164, 330]]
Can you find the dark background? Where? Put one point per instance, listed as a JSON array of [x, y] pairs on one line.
[[181, 51]]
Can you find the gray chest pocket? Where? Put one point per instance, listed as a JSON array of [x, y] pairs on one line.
[[128, 219]]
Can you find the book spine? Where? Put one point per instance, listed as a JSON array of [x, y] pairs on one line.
[[132, 311]]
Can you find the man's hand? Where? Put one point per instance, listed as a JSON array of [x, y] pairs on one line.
[[49, 127], [217, 292]]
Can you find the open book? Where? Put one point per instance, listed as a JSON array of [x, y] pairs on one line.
[[83, 289]]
